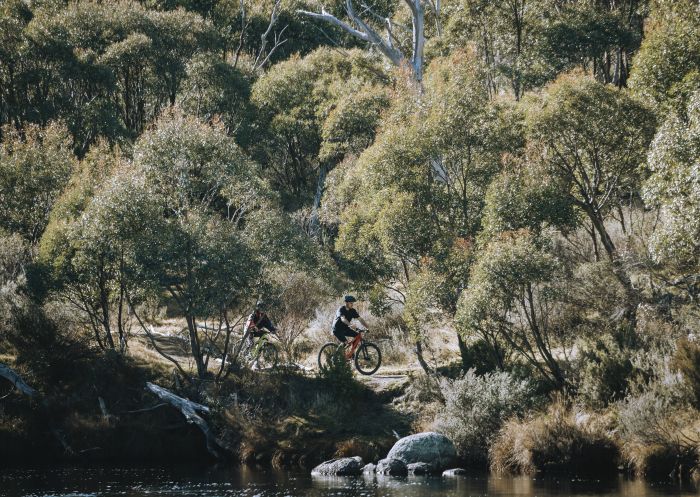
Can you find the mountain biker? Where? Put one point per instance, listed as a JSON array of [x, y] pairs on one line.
[[342, 324], [258, 323]]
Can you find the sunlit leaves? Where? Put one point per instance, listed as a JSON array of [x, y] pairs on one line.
[[34, 169], [667, 69]]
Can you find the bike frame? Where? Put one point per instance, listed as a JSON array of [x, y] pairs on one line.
[[257, 346], [354, 345]]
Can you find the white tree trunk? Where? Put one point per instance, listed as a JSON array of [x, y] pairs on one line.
[[363, 31]]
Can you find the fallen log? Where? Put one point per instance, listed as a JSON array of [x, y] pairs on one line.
[[10, 375], [17, 381], [189, 409]]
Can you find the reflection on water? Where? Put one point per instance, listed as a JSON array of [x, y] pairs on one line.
[[249, 482]]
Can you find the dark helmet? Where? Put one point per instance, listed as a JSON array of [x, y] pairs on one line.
[[260, 305], [350, 298]]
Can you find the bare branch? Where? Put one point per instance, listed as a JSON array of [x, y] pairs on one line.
[[364, 33], [325, 16], [274, 16], [244, 27]]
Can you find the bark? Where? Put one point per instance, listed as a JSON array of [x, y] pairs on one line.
[[314, 225], [190, 410], [421, 359], [196, 349]]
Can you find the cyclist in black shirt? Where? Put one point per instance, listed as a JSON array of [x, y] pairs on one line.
[[342, 324], [258, 323]]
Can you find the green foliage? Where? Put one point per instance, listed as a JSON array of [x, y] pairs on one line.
[[667, 68], [524, 196], [338, 376], [34, 168], [201, 184], [605, 372], [477, 406], [14, 257], [595, 138], [313, 111], [412, 203], [215, 89]]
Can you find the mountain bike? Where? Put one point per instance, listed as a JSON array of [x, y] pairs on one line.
[[366, 355], [260, 354]]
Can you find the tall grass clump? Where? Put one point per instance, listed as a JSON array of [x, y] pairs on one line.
[[560, 440], [477, 406]]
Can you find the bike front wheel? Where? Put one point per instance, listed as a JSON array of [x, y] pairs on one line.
[[327, 355], [268, 357], [368, 358]]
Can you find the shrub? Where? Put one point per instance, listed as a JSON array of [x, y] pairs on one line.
[[605, 371], [559, 440], [339, 378], [659, 435], [476, 407]]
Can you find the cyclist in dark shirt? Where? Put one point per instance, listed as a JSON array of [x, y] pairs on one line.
[[258, 323], [342, 324]]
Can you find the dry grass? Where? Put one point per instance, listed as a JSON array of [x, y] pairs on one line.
[[561, 440]]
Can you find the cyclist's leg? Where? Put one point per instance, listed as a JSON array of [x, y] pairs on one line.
[[340, 335], [350, 344]]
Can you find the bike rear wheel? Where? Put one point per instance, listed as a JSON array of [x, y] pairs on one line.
[[268, 357], [327, 355], [368, 358]]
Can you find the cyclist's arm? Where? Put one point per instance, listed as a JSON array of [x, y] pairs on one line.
[[363, 323]]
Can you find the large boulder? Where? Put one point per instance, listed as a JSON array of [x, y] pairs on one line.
[[432, 448], [345, 466], [392, 467]]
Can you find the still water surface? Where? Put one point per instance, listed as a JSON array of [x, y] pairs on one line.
[[246, 482]]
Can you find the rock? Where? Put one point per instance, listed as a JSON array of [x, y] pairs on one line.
[[418, 468], [454, 472], [369, 468], [434, 449], [392, 467], [345, 466]]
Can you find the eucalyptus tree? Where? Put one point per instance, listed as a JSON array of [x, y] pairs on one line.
[[215, 89], [88, 246], [513, 297], [204, 187], [593, 138], [106, 69], [505, 34], [524, 195]]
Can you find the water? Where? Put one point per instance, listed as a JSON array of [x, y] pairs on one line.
[[246, 482]]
